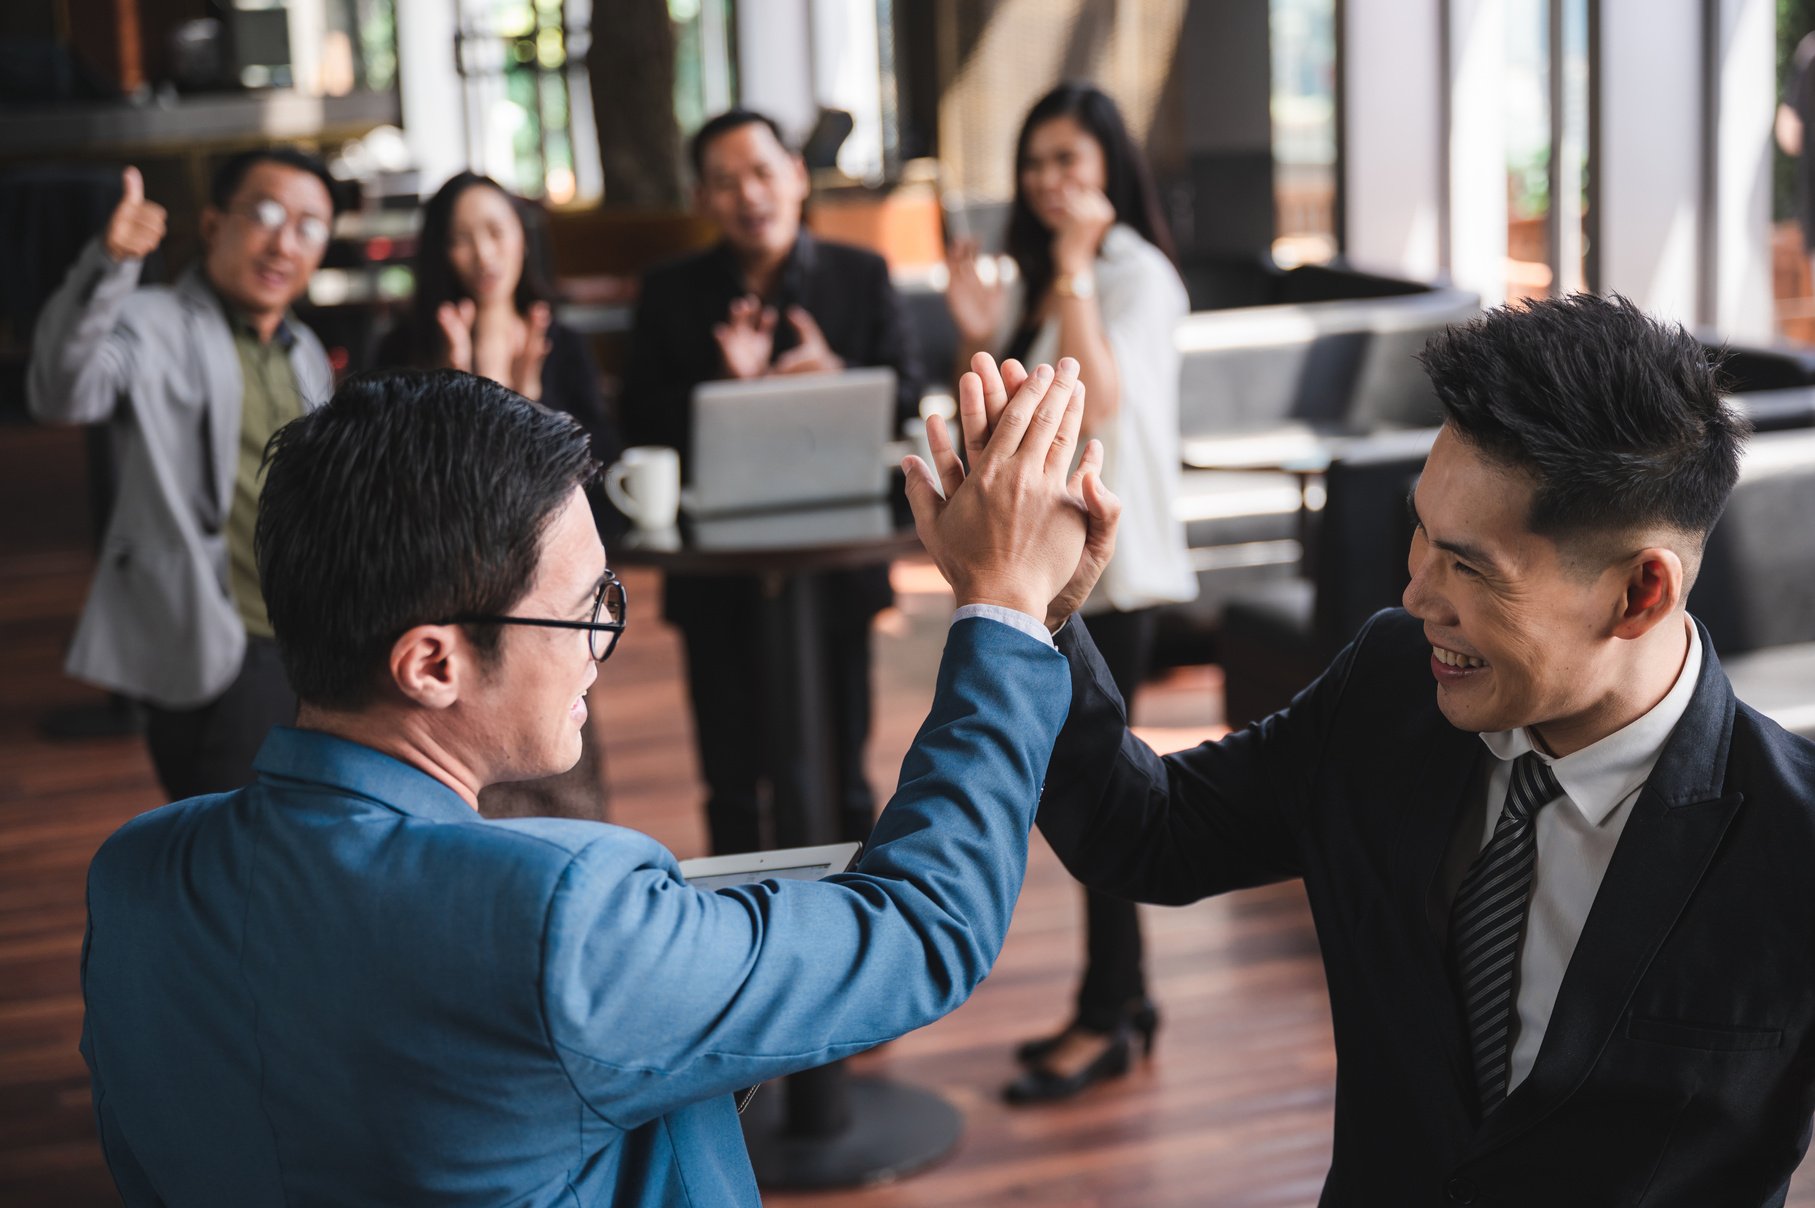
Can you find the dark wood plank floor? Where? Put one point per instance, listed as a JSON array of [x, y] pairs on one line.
[[1234, 1109]]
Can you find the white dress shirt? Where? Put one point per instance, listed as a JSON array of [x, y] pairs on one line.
[[1576, 838], [1032, 626]]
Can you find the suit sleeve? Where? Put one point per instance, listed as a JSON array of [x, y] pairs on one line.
[[82, 358], [658, 995], [1179, 828]]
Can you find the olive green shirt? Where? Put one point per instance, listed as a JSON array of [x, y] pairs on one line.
[[271, 400]]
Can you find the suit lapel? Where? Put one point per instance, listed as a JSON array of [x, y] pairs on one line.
[[1437, 804], [1675, 828], [220, 369]]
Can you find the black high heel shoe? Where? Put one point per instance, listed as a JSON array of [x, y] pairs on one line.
[[1041, 1085], [1141, 1017]]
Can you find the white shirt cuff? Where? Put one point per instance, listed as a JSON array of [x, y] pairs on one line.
[[1032, 626]]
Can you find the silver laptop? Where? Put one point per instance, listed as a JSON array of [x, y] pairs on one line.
[[784, 442]]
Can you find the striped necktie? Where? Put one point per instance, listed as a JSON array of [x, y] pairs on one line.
[[1488, 921]]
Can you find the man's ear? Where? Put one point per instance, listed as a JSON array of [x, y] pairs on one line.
[[428, 664], [211, 225], [1651, 591]]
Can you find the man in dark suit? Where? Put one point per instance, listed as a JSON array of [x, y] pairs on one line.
[[767, 299], [1559, 875]]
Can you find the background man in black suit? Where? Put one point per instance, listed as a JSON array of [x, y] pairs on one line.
[[767, 299], [1563, 897]]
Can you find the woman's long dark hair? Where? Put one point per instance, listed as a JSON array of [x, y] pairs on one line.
[[1127, 183], [436, 280]]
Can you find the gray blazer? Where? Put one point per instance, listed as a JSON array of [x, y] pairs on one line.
[[159, 363]]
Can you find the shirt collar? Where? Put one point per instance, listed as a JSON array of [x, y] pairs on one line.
[[795, 268], [241, 324], [1601, 775], [324, 761]]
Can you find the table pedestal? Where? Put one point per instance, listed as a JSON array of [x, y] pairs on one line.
[[826, 1128]]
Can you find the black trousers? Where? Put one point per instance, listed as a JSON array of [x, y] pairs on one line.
[[1114, 974], [209, 749], [724, 679]]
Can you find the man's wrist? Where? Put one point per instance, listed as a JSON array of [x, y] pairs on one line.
[[1008, 600]]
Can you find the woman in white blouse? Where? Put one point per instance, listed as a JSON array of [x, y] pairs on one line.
[[1096, 282]]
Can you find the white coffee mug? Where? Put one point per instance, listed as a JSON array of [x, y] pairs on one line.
[[645, 485]]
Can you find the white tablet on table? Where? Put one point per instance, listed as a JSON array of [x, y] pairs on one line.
[[783, 864]]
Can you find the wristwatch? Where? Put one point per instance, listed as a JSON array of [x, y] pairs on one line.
[[1075, 285]]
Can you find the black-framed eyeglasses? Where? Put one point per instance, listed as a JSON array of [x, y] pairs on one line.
[[601, 635]]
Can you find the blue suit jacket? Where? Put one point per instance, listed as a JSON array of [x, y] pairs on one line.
[[340, 985]]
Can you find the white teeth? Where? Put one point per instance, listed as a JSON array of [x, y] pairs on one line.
[[1451, 658]]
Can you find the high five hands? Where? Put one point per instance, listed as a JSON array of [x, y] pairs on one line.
[[136, 226], [1019, 530]]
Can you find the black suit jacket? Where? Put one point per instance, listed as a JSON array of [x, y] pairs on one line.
[[1677, 1067], [847, 291]]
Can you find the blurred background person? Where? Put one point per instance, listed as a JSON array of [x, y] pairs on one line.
[[484, 304], [768, 298], [1096, 282], [194, 378]]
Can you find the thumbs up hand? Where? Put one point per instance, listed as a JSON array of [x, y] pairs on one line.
[[137, 226]]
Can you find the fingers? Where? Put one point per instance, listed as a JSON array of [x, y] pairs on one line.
[[133, 185], [1088, 465], [766, 323], [995, 390], [945, 457], [804, 324], [468, 311], [1012, 428], [1065, 441], [973, 417], [923, 497], [1031, 419]]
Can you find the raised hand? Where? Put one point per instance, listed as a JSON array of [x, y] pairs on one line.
[[1013, 530], [1088, 217], [136, 226], [813, 354], [976, 305], [746, 339], [455, 319], [526, 365]]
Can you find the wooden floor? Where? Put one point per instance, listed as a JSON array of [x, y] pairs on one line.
[[1234, 1110]]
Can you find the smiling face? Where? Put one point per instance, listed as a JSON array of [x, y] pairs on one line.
[[259, 269], [1521, 634], [1061, 158], [485, 245], [530, 705], [753, 189]]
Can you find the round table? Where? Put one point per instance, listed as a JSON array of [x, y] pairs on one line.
[[826, 1127]]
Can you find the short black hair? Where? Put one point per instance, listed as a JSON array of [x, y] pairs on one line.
[[410, 498], [725, 123], [1616, 416], [232, 173]]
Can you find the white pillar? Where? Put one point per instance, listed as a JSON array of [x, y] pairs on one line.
[[1647, 232], [1746, 101], [1392, 166], [774, 63], [1477, 148], [847, 75], [429, 87]]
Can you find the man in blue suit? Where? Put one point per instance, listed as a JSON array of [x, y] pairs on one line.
[[340, 985]]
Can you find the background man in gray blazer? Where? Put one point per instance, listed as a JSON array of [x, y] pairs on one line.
[[194, 378]]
